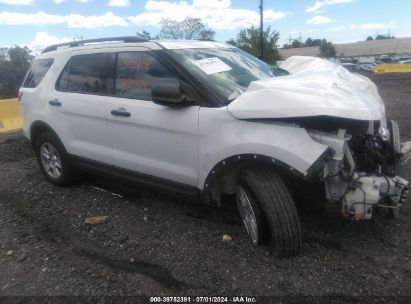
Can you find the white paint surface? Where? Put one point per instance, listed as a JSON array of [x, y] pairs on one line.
[[314, 87]]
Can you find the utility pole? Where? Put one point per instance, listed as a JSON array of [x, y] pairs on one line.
[[261, 31]]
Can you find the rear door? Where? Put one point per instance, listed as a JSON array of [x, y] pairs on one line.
[[77, 105], [152, 139]]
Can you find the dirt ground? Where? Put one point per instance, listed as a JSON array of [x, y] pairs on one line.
[[155, 245]]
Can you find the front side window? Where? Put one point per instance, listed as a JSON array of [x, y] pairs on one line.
[[228, 72], [92, 74], [37, 71], [136, 73]]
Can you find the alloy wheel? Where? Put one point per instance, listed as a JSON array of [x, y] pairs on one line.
[[245, 204], [51, 160]]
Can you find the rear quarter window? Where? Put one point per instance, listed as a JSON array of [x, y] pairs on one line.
[[37, 71]]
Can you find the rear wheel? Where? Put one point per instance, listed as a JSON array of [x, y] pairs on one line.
[[267, 209], [53, 160]]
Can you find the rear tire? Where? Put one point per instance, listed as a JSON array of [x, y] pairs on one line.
[[274, 201], [53, 160]]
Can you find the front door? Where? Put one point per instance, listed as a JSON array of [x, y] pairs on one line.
[[155, 140]]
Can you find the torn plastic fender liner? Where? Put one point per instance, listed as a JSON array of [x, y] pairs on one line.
[[319, 164], [406, 152]]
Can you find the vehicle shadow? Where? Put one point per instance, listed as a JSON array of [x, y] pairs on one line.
[[321, 224]]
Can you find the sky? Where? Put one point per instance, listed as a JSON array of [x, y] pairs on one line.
[[38, 23]]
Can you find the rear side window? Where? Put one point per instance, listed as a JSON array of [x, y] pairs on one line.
[[92, 74], [36, 72]]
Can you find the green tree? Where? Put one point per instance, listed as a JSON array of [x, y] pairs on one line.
[[189, 28], [8, 81], [296, 43], [382, 37], [146, 35], [369, 38], [312, 42], [249, 40], [308, 42], [13, 66], [20, 56], [327, 49]]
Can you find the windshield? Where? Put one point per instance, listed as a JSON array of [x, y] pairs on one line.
[[226, 71]]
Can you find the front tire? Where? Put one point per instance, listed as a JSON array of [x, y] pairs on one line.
[[394, 213], [278, 212], [53, 160], [251, 214]]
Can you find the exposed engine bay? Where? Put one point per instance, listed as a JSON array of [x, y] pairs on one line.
[[343, 111], [366, 169]]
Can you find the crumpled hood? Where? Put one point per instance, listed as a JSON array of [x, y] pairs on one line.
[[314, 87]]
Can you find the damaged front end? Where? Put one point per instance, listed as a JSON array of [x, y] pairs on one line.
[[367, 168], [344, 112]]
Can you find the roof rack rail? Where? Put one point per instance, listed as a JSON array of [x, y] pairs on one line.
[[83, 42]]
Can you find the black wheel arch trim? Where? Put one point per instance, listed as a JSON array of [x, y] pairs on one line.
[[312, 171], [223, 164], [43, 125]]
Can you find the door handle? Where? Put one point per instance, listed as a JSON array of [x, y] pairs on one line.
[[120, 112], [55, 102]]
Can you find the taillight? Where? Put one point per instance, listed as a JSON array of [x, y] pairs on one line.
[[20, 95]]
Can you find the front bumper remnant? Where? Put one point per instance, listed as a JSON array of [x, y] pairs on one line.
[[368, 191], [358, 192]]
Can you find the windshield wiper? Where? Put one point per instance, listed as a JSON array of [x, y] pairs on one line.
[[228, 101]]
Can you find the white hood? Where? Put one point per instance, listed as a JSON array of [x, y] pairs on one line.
[[314, 87]]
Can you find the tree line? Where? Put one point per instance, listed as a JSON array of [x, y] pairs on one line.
[[15, 61], [327, 49], [379, 37]]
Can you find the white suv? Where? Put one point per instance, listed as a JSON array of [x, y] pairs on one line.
[[206, 120]]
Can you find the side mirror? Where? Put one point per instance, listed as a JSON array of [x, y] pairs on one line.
[[167, 94]]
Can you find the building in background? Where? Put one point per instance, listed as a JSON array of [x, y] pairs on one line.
[[375, 48]]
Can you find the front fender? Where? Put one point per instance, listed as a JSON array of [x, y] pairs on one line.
[[222, 137]]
